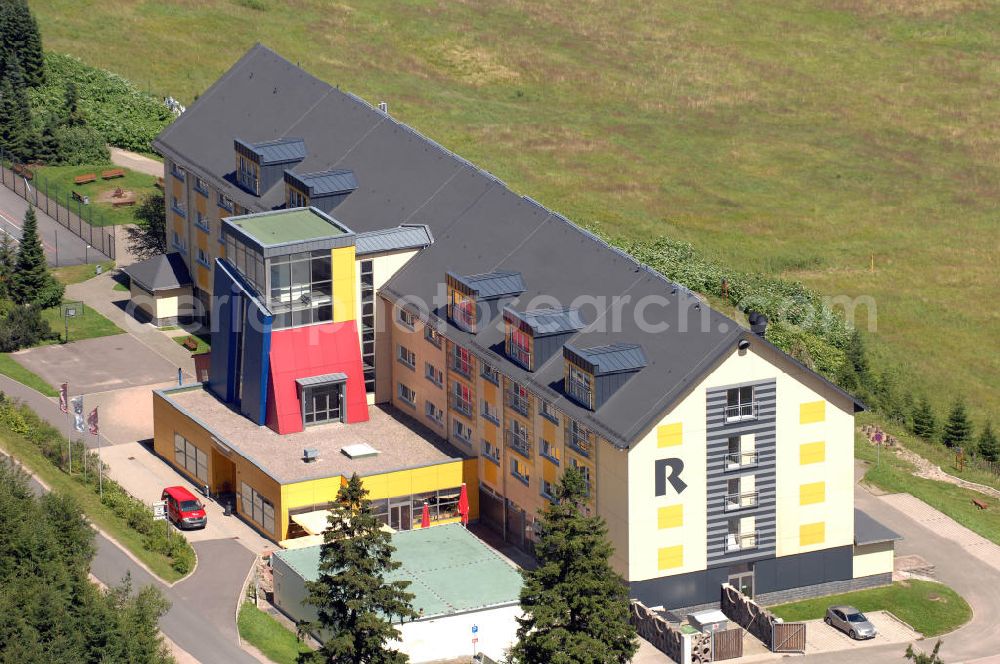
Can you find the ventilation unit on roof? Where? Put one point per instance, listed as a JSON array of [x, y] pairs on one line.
[[310, 454]]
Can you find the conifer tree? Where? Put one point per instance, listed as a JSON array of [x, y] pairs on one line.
[[19, 35], [988, 446], [958, 429], [576, 606], [72, 115], [924, 422], [7, 259], [32, 282], [354, 602], [16, 131]]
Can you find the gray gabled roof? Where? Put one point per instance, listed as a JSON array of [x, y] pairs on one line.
[[325, 183], [612, 358], [407, 236], [869, 531], [162, 272], [545, 322], [491, 285], [281, 151]]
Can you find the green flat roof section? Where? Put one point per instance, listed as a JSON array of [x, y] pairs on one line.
[[285, 226], [450, 570]]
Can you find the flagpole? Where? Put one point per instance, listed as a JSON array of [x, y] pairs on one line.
[[100, 467]]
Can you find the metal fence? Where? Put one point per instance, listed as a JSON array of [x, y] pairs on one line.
[[57, 201]]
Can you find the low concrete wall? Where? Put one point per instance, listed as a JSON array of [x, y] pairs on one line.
[[822, 589]]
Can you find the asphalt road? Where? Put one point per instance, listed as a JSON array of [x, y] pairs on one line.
[[61, 246]]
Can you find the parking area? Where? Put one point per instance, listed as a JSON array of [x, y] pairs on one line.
[[822, 638]]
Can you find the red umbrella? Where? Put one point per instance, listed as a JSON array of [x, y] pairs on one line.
[[463, 505], [425, 520]]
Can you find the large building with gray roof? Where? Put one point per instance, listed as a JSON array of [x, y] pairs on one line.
[[531, 346]]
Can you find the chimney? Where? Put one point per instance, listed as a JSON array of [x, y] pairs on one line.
[[758, 323]]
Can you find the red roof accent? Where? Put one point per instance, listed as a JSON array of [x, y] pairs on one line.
[[313, 350]]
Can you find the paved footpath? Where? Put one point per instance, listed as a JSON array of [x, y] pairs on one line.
[[62, 247]]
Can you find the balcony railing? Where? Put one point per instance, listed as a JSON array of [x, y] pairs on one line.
[[741, 541], [518, 403], [579, 441], [464, 316], [461, 405], [736, 460], [741, 411], [520, 355], [517, 442], [741, 501], [460, 365]]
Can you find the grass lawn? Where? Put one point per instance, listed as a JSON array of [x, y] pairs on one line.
[[60, 178], [10, 367], [88, 324], [74, 274], [99, 514], [120, 287], [272, 638], [801, 138], [930, 608], [894, 475], [202, 344]]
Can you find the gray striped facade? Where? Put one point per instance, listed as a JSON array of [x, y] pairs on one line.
[[718, 433]]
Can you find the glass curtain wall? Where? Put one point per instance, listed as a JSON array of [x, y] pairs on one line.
[[300, 289]]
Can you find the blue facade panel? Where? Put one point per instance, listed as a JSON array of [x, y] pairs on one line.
[[256, 365], [226, 314]]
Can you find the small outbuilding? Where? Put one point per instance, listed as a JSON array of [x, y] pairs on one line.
[[874, 550], [160, 288]]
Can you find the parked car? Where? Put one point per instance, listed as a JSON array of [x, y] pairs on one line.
[[183, 508], [850, 621]]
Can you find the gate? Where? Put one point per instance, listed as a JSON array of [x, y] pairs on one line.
[[491, 510], [727, 644], [788, 637]]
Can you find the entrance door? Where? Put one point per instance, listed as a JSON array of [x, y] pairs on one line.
[[399, 515], [323, 403], [743, 582]]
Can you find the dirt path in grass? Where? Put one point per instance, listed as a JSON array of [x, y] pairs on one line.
[[136, 162]]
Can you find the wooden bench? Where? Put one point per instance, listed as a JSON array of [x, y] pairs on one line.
[[85, 178], [979, 503], [123, 203], [77, 196], [191, 343], [112, 174]]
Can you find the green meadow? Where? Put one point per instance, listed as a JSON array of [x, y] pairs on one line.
[[809, 139]]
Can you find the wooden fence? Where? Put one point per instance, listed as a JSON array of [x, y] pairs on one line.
[[727, 644], [668, 639], [761, 623], [788, 637]]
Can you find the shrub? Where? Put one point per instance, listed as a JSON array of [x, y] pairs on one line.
[[80, 145], [23, 327]]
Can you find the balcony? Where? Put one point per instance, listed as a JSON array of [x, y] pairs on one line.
[[517, 442], [741, 411], [741, 501], [579, 441], [741, 541], [460, 405], [520, 355], [737, 460], [518, 403], [461, 366]]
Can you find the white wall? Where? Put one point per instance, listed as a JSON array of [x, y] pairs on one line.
[[451, 637]]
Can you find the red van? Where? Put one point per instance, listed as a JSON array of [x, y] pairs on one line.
[[183, 508]]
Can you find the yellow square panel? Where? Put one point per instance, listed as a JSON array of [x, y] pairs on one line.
[[812, 453], [812, 533], [813, 411], [490, 472], [812, 493], [670, 557], [669, 435], [671, 516]]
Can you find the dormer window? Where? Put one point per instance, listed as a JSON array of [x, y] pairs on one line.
[[592, 375], [259, 166], [248, 175], [580, 386], [324, 190], [479, 296], [462, 310], [296, 198], [518, 346], [532, 337]]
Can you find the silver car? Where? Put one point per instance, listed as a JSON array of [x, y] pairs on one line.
[[850, 621]]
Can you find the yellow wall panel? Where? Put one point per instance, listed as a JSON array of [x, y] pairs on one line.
[[377, 485], [812, 493], [490, 473], [812, 411], [670, 557], [342, 267], [812, 533], [669, 435], [671, 516], [549, 471], [812, 453]]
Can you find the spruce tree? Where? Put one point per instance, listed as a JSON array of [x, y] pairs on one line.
[[354, 602], [924, 422], [958, 429], [33, 283], [576, 606], [19, 35], [7, 259], [988, 446], [16, 130]]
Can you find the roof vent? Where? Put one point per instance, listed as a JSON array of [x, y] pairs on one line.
[[384, 107], [310, 454], [758, 323], [359, 451]]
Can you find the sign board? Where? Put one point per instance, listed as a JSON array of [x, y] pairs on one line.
[[159, 510], [475, 640], [475, 629]]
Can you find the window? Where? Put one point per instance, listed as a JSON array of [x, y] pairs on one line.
[[740, 404], [517, 438], [491, 412], [368, 323], [462, 310], [433, 374], [579, 437], [461, 430], [550, 451], [461, 360], [257, 508], [738, 539], [177, 172], [517, 398], [406, 318], [407, 396], [301, 291], [296, 198], [491, 451], [490, 373], [177, 242], [224, 202], [461, 399], [519, 346], [246, 174], [548, 490], [583, 470], [201, 222], [433, 413], [548, 411], [322, 403], [736, 498], [519, 469], [200, 186], [406, 356], [203, 257], [579, 386], [190, 458], [432, 335], [737, 456], [178, 206]]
